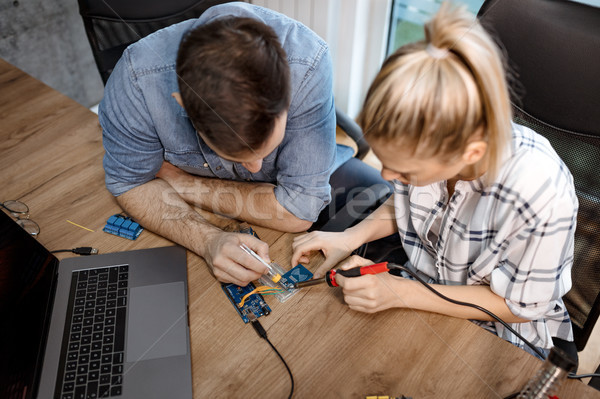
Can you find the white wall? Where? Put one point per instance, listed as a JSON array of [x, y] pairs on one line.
[[356, 31]]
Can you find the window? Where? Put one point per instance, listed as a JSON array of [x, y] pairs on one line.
[[408, 17]]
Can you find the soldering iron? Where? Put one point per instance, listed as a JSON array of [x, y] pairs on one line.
[[354, 272]]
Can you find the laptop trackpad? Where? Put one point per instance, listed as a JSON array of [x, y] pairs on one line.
[[157, 322]]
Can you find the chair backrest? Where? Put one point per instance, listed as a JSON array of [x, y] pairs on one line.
[[553, 49], [112, 25]]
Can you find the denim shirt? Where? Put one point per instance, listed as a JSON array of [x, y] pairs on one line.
[[143, 125]]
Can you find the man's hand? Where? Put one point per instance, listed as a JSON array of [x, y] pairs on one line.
[[157, 207], [230, 263]]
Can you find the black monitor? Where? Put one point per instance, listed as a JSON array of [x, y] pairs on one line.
[[28, 274]]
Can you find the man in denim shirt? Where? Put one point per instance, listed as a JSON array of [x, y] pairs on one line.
[[238, 120]]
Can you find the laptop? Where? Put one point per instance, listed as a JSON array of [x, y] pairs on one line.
[[103, 326]]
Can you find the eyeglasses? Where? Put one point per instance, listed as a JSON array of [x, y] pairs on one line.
[[20, 211]]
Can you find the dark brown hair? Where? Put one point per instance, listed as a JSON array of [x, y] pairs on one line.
[[234, 81]]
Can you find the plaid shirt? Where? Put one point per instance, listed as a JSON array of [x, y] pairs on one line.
[[515, 235]]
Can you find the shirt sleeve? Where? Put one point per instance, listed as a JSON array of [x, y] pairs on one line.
[[307, 157], [536, 268], [133, 152]]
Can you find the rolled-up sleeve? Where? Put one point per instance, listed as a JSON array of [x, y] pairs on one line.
[[307, 158], [536, 270], [133, 152]]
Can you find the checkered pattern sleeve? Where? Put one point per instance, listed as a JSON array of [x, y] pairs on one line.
[[515, 235]]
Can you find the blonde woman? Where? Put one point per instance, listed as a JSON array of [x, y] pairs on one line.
[[484, 208]]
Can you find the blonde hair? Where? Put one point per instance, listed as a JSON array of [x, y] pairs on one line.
[[433, 96]]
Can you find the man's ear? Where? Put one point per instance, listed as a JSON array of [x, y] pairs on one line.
[[177, 98], [474, 152]]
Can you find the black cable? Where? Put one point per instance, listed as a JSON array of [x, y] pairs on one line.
[[430, 288], [471, 305], [79, 251], [263, 334], [592, 375]]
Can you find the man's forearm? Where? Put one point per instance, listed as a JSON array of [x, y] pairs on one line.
[[157, 207], [254, 203]]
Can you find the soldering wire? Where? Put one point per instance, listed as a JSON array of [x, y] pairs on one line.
[[262, 289]]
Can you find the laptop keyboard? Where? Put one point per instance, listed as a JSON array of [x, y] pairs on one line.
[[92, 356]]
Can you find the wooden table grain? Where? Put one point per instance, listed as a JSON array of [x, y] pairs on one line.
[[51, 158]]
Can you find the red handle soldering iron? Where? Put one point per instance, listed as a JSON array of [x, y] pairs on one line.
[[354, 272]]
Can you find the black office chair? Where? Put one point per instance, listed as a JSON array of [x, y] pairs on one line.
[[553, 47], [112, 25]]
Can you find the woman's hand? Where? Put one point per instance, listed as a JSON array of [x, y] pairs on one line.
[[335, 246], [372, 292]]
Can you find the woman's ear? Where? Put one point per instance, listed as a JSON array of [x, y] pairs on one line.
[[177, 98], [474, 152]]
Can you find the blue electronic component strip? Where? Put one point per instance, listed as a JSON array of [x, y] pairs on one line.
[[254, 305], [123, 226], [295, 275]]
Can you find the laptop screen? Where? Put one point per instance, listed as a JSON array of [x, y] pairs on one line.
[[27, 278]]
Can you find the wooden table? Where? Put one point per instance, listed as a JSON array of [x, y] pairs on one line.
[[51, 158]]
